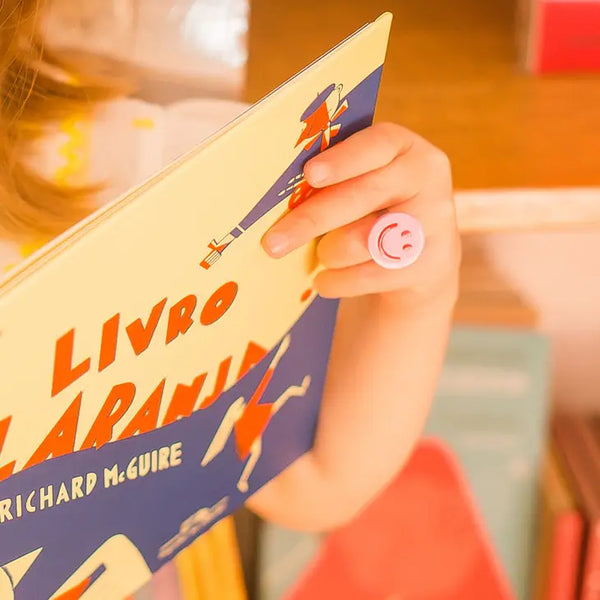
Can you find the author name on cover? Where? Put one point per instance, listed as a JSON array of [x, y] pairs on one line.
[[53, 495]]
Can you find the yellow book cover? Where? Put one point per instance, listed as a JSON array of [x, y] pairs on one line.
[[157, 366]]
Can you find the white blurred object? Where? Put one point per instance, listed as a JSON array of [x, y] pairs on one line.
[[178, 48]]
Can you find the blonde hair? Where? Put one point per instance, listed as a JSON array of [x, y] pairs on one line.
[[37, 87]]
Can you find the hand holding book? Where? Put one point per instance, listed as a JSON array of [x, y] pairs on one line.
[[383, 168], [380, 383]]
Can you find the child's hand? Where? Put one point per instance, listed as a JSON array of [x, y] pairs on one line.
[[379, 385], [382, 168]]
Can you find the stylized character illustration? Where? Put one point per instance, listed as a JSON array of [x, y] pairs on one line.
[[217, 247], [192, 526], [317, 123], [319, 117], [12, 573], [248, 420], [300, 191], [115, 570]]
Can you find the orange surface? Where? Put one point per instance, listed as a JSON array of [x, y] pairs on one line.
[[451, 75]]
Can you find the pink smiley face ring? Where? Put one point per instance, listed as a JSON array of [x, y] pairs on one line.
[[396, 241]]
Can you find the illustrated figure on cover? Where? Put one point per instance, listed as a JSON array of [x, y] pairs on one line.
[[249, 419], [318, 123]]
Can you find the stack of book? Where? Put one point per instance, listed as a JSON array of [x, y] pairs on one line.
[[568, 527]]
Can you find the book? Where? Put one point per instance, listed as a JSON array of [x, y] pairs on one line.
[[486, 299], [490, 409], [247, 530], [210, 568], [157, 366], [284, 556], [576, 446], [557, 36], [422, 537], [588, 427], [559, 533]]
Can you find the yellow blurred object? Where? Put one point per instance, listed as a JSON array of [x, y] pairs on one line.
[[210, 568]]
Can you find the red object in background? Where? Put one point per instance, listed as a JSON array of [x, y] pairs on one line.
[[422, 539], [566, 37]]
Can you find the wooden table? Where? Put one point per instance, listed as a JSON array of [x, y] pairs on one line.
[[525, 150]]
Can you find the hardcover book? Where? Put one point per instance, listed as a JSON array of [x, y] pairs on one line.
[[157, 366]]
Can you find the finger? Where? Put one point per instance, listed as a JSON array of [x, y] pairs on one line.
[[363, 279], [348, 245], [370, 278], [346, 202], [367, 150]]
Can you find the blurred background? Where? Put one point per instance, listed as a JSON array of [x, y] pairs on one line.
[[510, 90]]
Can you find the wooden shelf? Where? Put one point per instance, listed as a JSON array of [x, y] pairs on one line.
[[452, 75]]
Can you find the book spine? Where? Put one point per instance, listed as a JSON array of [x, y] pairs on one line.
[[186, 574], [591, 566], [210, 567], [564, 557], [216, 563]]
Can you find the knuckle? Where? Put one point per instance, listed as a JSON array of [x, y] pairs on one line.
[[438, 161], [446, 211], [324, 285], [307, 220], [391, 135]]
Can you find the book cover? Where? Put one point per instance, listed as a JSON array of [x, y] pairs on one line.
[[559, 533], [157, 366], [576, 449], [560, 35], [491, 410], [248, 528], [284, 555]]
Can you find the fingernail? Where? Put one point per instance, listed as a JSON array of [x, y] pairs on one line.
[[317, 173], [276, 243]]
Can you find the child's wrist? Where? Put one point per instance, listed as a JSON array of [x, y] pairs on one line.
[[440, 298]]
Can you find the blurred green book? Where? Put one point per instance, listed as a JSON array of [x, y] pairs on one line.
[[491, 409]]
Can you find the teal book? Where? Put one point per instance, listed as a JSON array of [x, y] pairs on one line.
[[491, 409], [283, 557]]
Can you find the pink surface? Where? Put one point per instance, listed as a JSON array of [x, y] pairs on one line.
[[165, 583]]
